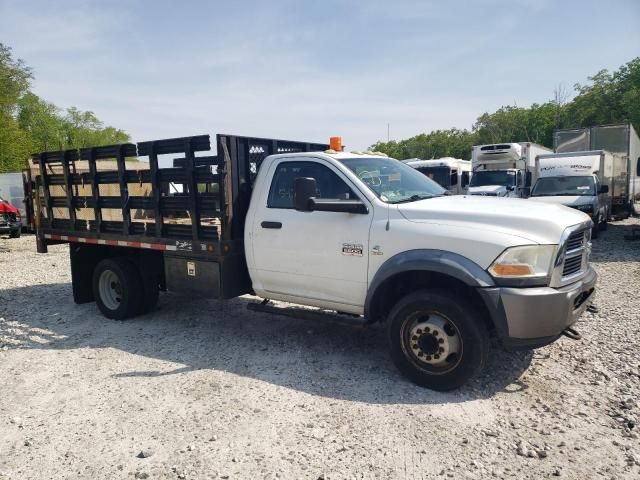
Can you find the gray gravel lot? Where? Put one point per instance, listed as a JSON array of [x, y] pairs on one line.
[[201, 389]]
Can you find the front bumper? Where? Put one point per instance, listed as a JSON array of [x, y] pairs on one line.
[[534, 317], [11, 227]]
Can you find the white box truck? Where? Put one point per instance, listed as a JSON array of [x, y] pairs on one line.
[[620, 139], [453, 174], [580, 180], [504, 169]]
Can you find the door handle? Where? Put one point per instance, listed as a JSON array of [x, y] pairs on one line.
[[271, 225]]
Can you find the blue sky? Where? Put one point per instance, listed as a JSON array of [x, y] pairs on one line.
[[309, 69]]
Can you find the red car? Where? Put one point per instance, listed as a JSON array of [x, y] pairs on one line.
[[10, 220]]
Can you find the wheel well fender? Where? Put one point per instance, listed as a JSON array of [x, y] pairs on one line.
[[421, 268]]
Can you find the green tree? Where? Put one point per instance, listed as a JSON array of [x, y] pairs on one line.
[[440, 143], [29, 123], [608, 98], [42, 121], [15, 78]]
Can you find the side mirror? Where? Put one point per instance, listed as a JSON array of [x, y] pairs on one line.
[[304, 190], [511, 188], [305, 200], [604, 189]]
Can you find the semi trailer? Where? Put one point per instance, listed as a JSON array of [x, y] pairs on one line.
[[361, 237], [504, 169]]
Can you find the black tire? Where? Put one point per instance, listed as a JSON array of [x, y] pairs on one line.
[[15, 234], [127, 288], [604, 224], [470, 331]]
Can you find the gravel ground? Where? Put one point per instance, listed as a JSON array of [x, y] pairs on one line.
[[201, 389]]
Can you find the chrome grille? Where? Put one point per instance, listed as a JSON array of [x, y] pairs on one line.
[[575, 260], [575, 241], [572, 265]]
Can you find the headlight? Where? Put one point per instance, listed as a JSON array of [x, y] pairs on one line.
[[529, 261]]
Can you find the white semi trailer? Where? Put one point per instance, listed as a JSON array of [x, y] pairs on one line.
[[504, 169]]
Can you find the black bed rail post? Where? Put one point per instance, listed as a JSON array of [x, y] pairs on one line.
[[45, 187], [67, 156], [194, 211], [95, 189], [155, 189], [124, 189]]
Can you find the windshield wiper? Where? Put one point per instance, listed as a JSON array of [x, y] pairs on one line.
[[414, 198]]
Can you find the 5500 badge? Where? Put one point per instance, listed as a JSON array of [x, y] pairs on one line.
[[352, 249]]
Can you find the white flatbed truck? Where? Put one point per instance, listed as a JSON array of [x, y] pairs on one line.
[[358, 234]]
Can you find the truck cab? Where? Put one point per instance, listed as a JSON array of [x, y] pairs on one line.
[[579, 180], [497, 183], [504, 169]]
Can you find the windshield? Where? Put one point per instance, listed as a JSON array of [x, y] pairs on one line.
[[393, 181], [493, 177], [563, 186], [441, 175]]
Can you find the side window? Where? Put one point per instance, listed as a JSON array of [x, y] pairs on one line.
[[454, 178], [465, 179], [329, 185]]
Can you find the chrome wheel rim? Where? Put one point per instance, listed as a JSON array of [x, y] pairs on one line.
[[432, 342], [110, 290]]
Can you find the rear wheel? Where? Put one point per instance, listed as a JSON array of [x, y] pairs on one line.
[[436, 340], [118, 288], [15, 234]]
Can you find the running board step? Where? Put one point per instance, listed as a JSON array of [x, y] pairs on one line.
[[309, 314]]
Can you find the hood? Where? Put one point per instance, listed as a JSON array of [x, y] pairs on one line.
[[569, 201], [489, 190], [533, 221], [7, 208]]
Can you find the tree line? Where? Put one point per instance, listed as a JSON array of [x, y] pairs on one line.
[[607, 97], [30, 124]]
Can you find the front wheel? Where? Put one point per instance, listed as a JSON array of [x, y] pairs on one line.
[[436, 340]]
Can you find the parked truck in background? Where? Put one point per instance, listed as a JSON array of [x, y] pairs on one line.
[[452, 174], [618, 139], [12, 190], [580, 180], [504, 169], [362, 237]]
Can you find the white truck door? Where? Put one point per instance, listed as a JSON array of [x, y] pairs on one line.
[[318, 256]]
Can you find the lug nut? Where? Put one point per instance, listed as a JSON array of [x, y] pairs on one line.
[[428, 357], [441, 340], [436, 356]]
